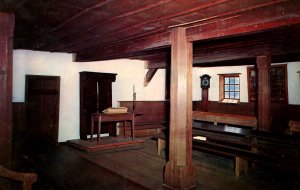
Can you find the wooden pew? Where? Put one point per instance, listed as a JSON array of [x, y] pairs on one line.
[[26, 178], [151, 118], [294, 126], [278, 151], [216, 118], [224, 141]]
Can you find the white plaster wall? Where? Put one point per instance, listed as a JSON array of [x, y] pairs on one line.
[[294, 82], [130, 72], [214, 81]]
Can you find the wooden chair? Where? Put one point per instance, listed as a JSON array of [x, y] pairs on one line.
[[27, 178]]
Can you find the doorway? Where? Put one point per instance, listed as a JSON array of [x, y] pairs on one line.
[[42, 103]]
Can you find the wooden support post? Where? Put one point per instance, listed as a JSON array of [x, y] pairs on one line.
[[180, 170], [6, 50], [264, 94]]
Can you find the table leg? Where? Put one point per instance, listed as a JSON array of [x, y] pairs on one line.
[[99, 129], [124, 123], [92, 128]]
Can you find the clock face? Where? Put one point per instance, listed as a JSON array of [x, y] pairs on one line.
[[205, 83]]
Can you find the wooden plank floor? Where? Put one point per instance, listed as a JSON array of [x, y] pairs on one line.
[[105, 143], [134, 165], [64, 167]]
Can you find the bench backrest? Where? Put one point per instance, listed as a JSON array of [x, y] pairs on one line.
[[294, 126], [225, 118]]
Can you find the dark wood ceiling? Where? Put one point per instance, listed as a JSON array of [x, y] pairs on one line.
[[222, 30]]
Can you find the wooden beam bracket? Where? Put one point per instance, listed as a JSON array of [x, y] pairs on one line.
[[150, 74]]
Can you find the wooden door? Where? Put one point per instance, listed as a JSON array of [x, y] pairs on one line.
[[42, 99]]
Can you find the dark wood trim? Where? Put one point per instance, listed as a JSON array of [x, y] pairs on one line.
[[19, 117], [7, 23]]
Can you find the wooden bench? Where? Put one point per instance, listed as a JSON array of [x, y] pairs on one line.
[[239, 120], [278, 151], [224, 141], [26, 178], [241, 165], [294, 126], [216, 118]]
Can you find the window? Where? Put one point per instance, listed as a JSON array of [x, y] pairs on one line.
[[229, 88], [278, 83]]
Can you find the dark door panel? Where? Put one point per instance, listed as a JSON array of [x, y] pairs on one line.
[[42, 98]]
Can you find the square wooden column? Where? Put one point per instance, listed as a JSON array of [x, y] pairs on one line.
[[264, 93], [180, 170], [6, 50]]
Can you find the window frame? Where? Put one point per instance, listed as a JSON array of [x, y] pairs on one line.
[[222, 98], [252, 93]]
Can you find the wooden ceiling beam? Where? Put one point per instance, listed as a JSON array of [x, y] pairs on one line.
[[82, 35], [125, 50], [261, 19], [158, 61], [12, 6], [85, 41], [85, 11], [257, 20], [73, 43]]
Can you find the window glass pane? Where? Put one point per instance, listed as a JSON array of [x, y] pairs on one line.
[[237, 80], [231, 89], [226, 87], [226, 80], [226, 94], [236, 95], [237, 88]]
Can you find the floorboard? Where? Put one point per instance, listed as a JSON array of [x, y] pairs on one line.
[[105, 144], [64, 167]]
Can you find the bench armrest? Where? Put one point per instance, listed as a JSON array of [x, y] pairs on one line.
[[27, 178]]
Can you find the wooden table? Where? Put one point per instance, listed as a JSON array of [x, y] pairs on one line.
[[102, 117]]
